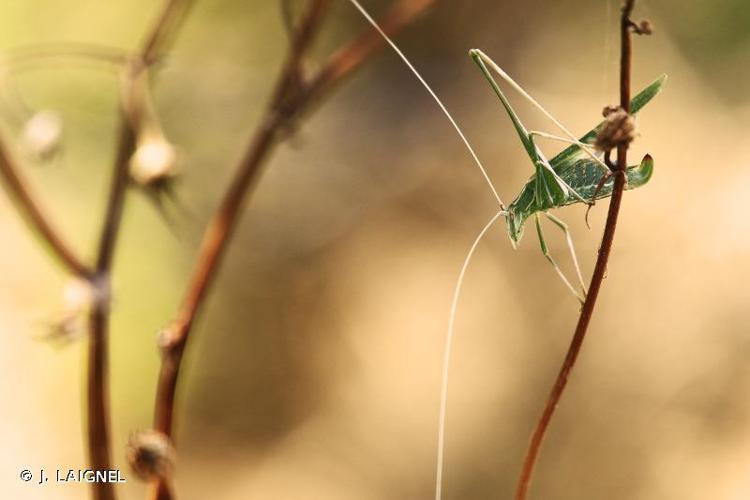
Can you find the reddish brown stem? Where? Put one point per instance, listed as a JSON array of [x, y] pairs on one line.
[[597, 278], [37, 219], [348, 58], [219, 230], [291, 98], [99, 441]]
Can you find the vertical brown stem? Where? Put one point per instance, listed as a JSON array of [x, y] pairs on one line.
[[98, 374], [98, 401], [99, 440], [600, 269]]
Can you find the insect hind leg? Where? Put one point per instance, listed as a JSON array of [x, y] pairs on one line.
[[548, 255], [569, 241]]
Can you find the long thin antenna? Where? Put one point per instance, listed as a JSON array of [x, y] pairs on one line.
[[434, 96], [457, 291], [447, 355]]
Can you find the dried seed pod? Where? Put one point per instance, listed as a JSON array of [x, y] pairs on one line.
[[644, 27], [154, 161], [42, 133], [150, 454], [153, 168], [618, 129]]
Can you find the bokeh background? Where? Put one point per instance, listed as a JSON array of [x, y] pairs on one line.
[[314, 370]]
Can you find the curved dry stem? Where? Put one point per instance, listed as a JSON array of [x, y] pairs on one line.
[[291, 98], [37, 219]]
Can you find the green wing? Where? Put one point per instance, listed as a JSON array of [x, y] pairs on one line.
[[585, 176], [582, 173]]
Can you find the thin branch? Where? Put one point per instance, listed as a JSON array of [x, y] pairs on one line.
[[99, 441], [219, 230], [36, 218], [599, 270], [292, 96], [164, 29], [347, 59]]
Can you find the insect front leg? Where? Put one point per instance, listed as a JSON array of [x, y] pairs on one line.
[[598, 189], [548, 255], [600, 185]]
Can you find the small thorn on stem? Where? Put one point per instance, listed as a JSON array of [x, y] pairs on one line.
[[169, 338], [643, 27]]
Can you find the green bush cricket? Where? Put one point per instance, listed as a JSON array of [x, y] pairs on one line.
[[575, 175]]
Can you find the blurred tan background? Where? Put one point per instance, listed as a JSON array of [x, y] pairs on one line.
[[314, 371]]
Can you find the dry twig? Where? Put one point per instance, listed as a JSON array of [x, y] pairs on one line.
[[599, 269], [99, 441], [293, 95]]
